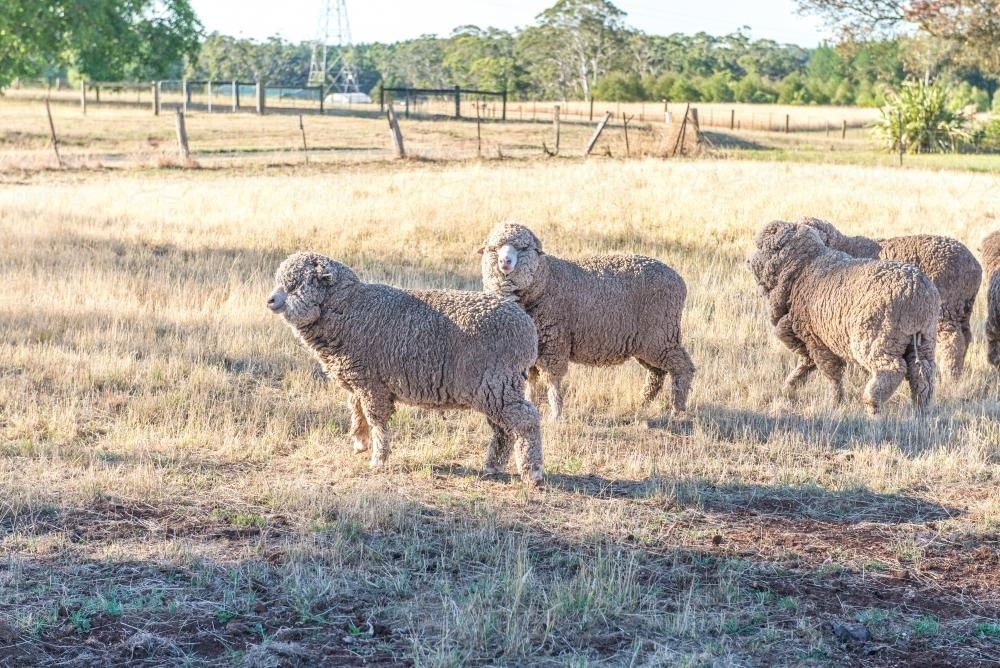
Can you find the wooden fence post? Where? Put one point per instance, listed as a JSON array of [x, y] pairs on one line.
[[52, 134], [260, 96], [83, 97], [182, 138], [156, 98], [597, 132], [209, 96], [843, 131], [397, 135], [236, 95], [732, 119], [185, 94], [503, 113], [555, 121], [458, 102], [787, 120], [321, 100]]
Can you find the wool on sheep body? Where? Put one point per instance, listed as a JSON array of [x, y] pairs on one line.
[[831, 308], [947, 262], [598, 311], [432, 348], [991, 259]]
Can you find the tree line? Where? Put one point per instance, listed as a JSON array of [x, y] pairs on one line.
[[576, 49]]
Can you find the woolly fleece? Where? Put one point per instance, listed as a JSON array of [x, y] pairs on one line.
[[432, 348], [831, 308], [599, 311], [950, 264]]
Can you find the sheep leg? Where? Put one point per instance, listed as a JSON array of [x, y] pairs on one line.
[[951, 339], [520, 418], [360, 429], [678, 364], [378, 409], [531, 388], [920, 369], [654, 382], [800, 373], [553, 380], [832, 367], [887, 373], [499, 449]]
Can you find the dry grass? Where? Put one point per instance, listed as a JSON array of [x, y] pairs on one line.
[[177, 486]]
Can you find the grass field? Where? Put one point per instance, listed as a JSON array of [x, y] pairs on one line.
[[177, 485]]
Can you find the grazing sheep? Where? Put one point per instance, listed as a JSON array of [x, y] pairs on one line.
[[831, 308], [991, 258], [953, 268], [432, 348], [599, 311]]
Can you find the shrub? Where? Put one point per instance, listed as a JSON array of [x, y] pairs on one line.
[[923, 116]]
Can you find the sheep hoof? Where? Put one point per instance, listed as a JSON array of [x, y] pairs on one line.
[[532, 478], [376, 464]]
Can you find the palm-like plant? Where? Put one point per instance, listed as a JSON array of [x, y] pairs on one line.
[[921, 116]]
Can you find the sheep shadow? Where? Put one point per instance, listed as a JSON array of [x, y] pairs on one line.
[[840, 429], [776, 501]]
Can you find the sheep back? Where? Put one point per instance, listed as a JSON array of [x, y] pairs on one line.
[[436, 348]]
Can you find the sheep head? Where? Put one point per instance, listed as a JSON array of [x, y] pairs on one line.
[[991, 252], [510, 259], [782, 250], [858, 246], [304, 283]]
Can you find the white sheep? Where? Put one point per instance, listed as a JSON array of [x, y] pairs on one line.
[[431, 348], [599, 311]]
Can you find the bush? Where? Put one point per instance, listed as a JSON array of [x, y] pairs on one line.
[[924, 117]]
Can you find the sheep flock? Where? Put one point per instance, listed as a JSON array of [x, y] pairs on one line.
[[886, 306]]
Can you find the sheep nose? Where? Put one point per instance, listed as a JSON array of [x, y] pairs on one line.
[[275, 302]]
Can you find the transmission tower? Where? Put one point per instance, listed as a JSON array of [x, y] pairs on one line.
[[336, 71]]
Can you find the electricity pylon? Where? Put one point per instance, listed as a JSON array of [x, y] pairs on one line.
[[336, 71]]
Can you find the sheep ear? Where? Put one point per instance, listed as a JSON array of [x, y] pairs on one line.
[[326, 271], [481, 250]]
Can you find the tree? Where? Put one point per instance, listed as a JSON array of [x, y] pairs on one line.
[[482, 58], [587, 34], [970, 27], [99, 39]]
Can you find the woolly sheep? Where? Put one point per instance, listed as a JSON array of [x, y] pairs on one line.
[[599, 311], [947, 262], [991, 258], [431, 348], [831, 308]]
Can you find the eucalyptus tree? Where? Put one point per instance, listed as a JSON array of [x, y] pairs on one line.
[[580, 39]]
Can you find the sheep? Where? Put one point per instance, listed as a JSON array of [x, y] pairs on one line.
[[431, 348], [953, 268], [599, 311], [831, 308], [991, 258]]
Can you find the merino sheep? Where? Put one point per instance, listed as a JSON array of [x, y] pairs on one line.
[[991, 258], [831, 308], [953, 268], [431, 348], [599, 311]]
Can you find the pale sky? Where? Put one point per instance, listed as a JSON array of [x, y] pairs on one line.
[[386, 21]]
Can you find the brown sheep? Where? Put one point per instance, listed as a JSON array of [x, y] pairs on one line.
[[831, 308], [953, 268], [991, 258]]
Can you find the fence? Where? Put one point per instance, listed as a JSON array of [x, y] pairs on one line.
[[205, 95]]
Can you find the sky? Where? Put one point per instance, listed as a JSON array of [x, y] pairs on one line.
[[393, 21]]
